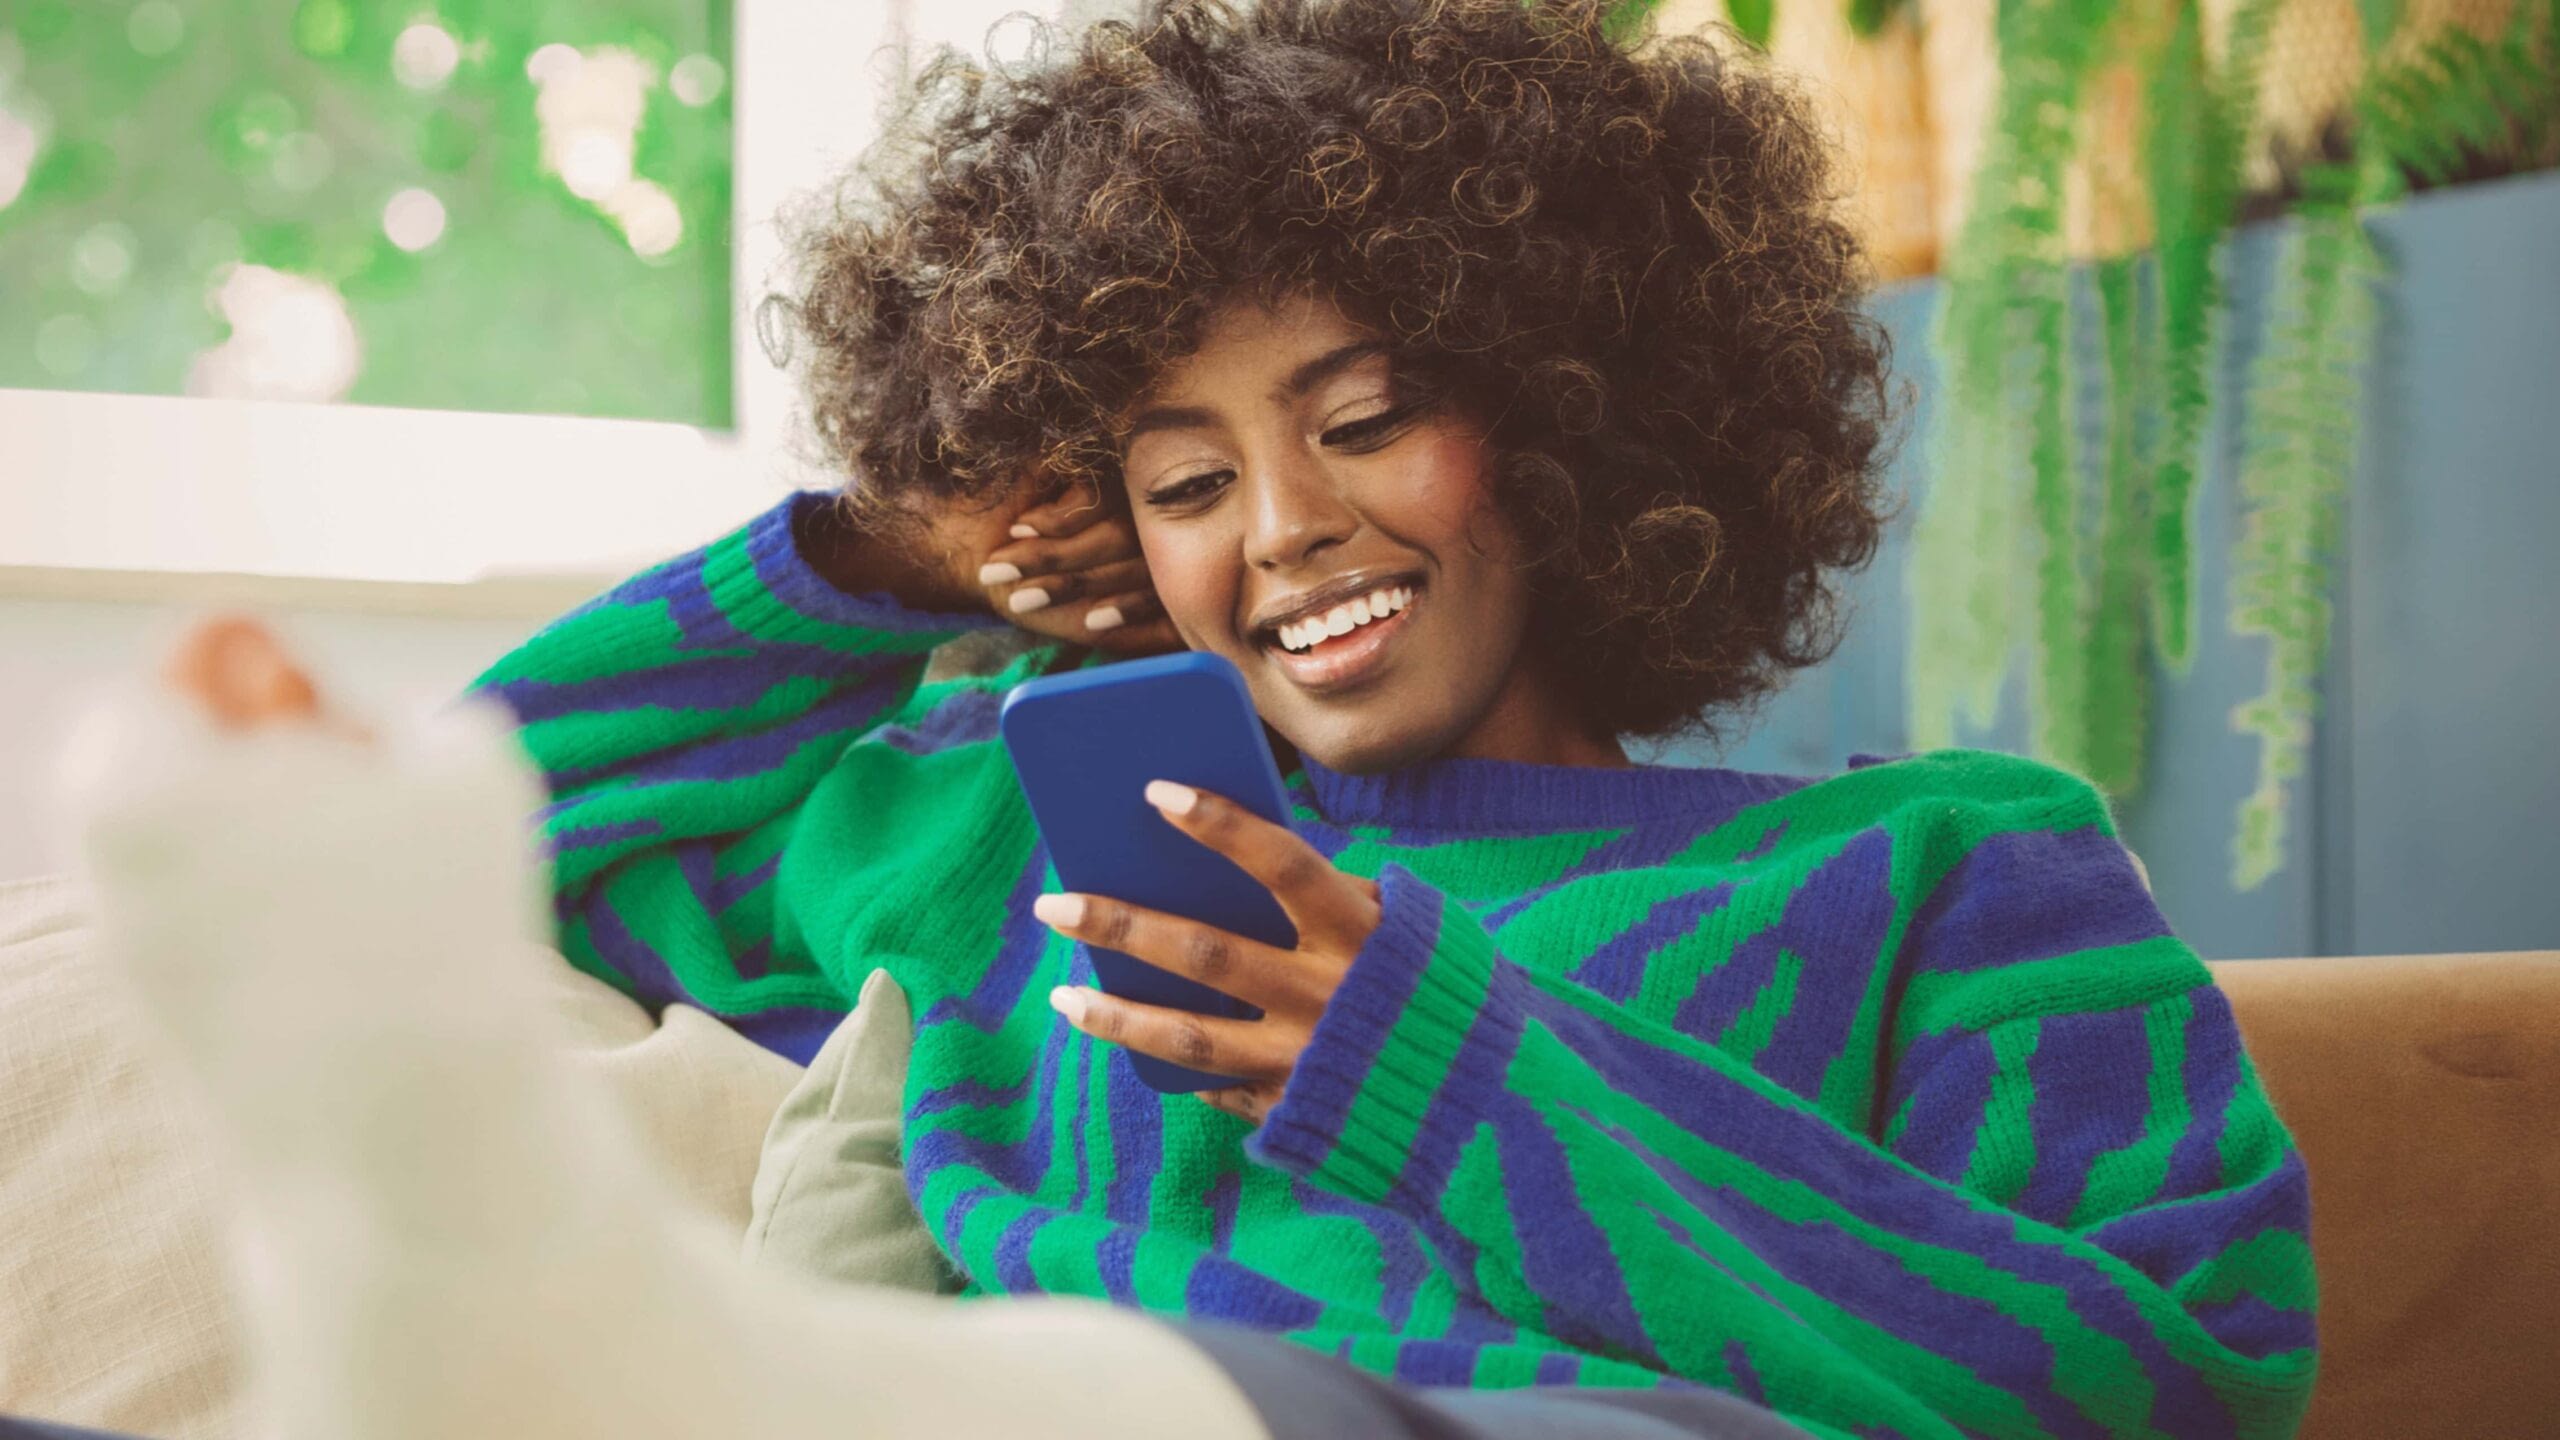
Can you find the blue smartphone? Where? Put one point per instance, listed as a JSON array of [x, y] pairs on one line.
[[1084, 746]]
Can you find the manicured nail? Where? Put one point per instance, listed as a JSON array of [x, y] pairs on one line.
[[1069, 1001], [1104, 617], [1170, 798], [1026, 601], [996, 572], [1062, 912], [1023, 532]]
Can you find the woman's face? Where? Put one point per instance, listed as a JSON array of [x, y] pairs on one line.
[[1335, 538]]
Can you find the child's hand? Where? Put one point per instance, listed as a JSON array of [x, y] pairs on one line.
[[1070, 568]]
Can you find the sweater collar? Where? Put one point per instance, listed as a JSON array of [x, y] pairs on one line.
[[1514, 797]]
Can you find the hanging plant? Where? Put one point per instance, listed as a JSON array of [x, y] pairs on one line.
[[2303, 432], [2459, 96], [1999, 533], [2119, 682], [1999, 560], [2003, 331], [2423, 116], [2200, 120]]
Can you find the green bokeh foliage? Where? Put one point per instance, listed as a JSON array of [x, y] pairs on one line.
[[532, 299]]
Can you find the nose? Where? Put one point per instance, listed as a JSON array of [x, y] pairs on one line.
[[1296, 512]]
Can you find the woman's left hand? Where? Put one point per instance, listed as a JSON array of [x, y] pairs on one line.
[[1334, 913]]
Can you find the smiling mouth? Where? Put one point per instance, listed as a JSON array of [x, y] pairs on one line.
[[1343, 644]]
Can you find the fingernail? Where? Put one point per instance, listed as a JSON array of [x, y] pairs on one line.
[[1063, 912], [1069, 1001], [996, 572], [1104, 617], [1170, 798], [1023, 532], [1026, 601]]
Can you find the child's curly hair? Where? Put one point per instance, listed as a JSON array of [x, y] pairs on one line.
[[1624, 261]]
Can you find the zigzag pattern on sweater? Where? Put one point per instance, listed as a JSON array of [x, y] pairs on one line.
[[1887, 1100]]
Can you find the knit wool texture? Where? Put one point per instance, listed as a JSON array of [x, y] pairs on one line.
[[1886, 1100]]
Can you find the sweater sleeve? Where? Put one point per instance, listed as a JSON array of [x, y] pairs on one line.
[[680, 720], [2080, 1216]]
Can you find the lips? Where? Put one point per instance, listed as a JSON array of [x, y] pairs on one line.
[[1331, 662], [1316, 600], [1360, 610]]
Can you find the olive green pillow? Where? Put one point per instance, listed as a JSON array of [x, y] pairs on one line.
[[830, 1196]]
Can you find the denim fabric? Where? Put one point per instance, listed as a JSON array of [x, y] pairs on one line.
[[1302, 1395], [41, 1430]]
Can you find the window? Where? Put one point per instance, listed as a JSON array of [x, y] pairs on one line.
[[686, 427]]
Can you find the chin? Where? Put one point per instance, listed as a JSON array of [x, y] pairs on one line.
[[1349, 746]]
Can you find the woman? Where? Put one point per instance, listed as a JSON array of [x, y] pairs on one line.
[[1487, 392]]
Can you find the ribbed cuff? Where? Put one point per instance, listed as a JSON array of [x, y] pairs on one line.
[[1391, 1044], [761, 581]]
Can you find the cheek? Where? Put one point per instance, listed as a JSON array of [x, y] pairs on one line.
[[1442, 499], [1197, 588]]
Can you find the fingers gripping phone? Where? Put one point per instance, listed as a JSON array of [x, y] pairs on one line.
[[1084, 747]]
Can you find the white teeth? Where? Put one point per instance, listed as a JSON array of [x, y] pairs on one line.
[[1299, 635]]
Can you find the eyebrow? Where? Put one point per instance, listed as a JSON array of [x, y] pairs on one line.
[[1298, 382], [1324, 367]]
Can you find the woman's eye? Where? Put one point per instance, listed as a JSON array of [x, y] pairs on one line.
[[1190, 490], [1361, 434]]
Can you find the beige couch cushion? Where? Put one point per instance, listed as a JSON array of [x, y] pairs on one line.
[[113, 1310]]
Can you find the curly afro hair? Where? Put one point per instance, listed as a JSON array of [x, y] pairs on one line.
[[1624, 260]]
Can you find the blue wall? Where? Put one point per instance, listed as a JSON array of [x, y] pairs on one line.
[[2430, 820]]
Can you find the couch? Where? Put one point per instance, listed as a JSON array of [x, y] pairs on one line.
[[2425, 1093]]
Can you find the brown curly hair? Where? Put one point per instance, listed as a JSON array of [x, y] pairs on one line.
[[1623, 259]]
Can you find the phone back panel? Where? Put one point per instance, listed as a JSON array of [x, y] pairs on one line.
[[1084, 746]]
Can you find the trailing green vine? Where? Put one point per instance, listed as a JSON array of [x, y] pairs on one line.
[[2004, 335], [2303, 432], [2119, 678], [2452, 97], [2200, 118], [2003, 340]]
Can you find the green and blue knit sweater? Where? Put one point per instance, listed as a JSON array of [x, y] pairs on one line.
[[1887, 1100]]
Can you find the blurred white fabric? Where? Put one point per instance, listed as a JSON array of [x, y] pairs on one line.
[[393, 1203], [115, 1189]]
